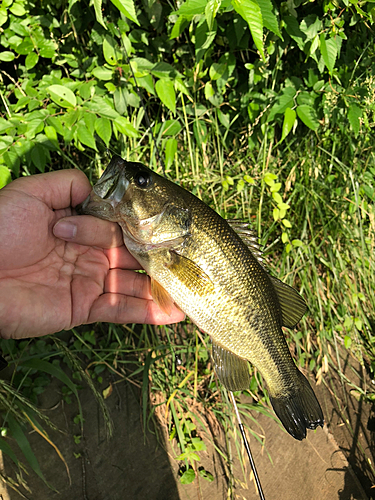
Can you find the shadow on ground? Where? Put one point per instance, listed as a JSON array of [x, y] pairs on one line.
[[130, 465], [133, 465]]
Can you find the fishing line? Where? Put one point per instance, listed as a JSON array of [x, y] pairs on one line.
[[158, 156], [247, 446], [161, 162]]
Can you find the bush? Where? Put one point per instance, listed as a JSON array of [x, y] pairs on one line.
[[67, 75]]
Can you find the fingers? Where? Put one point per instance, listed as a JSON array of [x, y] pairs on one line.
[[57, 190], [88, 230], [128, 283], [120, 258], [117, 308]]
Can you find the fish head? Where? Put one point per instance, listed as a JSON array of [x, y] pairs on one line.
[[141, 201]]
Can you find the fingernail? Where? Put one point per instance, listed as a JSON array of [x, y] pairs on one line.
[[65, 230]]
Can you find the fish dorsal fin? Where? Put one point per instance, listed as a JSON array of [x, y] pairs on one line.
[[293, 307], [161, 297], [248, 236], [233, 371], [191, 275]]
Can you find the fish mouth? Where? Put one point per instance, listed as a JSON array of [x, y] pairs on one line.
[[113, 184], [107, 193]]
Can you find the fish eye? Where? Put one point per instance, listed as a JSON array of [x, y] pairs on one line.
[[142, 179]]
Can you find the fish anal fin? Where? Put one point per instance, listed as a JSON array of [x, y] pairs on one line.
[[191, 275], [161, 297], [233, 371], [293, 307]]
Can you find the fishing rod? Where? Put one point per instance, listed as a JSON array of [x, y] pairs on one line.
[[161, 162], [247, 446]]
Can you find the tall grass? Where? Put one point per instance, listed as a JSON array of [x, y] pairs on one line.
[[323, 246]]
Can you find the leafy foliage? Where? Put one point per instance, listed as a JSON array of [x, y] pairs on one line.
[[263, 109], [68, 75]]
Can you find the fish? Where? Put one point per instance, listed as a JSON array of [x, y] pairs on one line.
[[212, 269]]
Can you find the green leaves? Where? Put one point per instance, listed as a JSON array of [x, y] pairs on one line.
[[270, 20], [110, 51], [5, 176], [328, 49], [354, 115], [187, 477], [166, 93], [6, 56], [250, 11], [127, 8], [289, 119], [24, 445], [308, 115], [62, 96], [104, 129], [85, 137]]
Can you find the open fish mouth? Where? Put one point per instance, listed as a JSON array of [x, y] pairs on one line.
[[108, 192]]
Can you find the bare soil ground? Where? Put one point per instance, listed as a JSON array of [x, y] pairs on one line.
[[333, 463]]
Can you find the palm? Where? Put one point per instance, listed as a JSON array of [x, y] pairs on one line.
[[57, 282]]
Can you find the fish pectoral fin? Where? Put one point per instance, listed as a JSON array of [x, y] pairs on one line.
[[293, 307], [161, 297], [191, 275], [233, 371]]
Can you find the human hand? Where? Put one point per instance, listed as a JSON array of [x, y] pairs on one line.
[[48, 284]]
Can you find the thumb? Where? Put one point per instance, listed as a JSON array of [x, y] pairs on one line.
[[88, 230]]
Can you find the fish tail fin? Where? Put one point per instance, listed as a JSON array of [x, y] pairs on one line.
[[299, 410]]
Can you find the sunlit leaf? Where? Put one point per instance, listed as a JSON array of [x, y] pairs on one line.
[[308, 115], [104, 129], [354, 115], [251, 13], [289, 119], [31, 60], [99, 13], [328, 49], [187, 477], [125, 127], [6, 56], [5, 177], [102, 73], [85, 137], [127, 8], [269, 17], [170, 151], [109, 50], [166, 93], [62, 96]]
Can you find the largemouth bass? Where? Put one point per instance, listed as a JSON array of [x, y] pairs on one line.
[[211, 269]]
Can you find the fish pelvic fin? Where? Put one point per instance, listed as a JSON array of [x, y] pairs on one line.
[[233, 371], [299, 410]]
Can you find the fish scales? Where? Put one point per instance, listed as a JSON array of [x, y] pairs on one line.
[[201, 263], [242, 325]]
